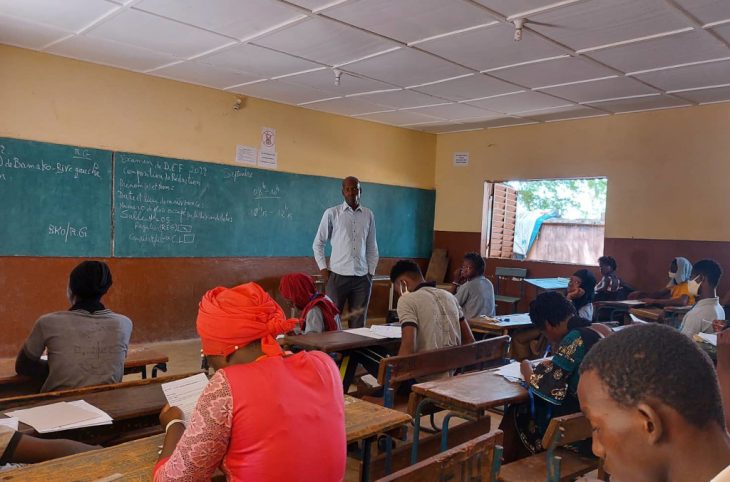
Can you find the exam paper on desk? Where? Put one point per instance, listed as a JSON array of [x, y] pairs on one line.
[[185, 393]]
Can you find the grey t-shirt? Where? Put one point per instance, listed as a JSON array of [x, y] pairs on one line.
[[83, 348], [476, 298], [315, 321]]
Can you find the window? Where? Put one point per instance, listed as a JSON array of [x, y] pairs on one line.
[[557, 220]]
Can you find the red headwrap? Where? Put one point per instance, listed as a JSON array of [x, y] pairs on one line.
[[299, 288], [229, 318]]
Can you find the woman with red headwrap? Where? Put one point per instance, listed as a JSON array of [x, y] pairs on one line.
[[318, 312], [262, 411]]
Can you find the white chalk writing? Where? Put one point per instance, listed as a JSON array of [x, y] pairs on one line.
[[67, 231]]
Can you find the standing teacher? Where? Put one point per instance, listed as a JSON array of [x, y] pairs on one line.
[[351, 230]]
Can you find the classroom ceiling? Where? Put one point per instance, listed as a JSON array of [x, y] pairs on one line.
[[431, 65]]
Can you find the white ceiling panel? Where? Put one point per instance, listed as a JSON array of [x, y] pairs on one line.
[[324, 41], [474, 86], [26, 34], [600, 22], [513, 7], [640, 103], [346, 106], [401, 99], [691, 76], [151, 32], [410, 20], [72, 15], [703, 96], [280, 91], [314, 4], [257, 60], [406, 67], [503, 122], [677, 49], [707, 11], [198, 73], [601, 89], [441, 128], [349, 84], [564, 113], [110, 53], [553, 72], [454, 112], [491, 47], [516, 103], [235, 18], [399, 117]]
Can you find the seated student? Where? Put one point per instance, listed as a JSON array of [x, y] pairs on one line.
[[87, 344], [676, 293], [581, 290], [18, 448], [265, 414], [318, 312], [476, 294], [611, 287], [656, 413], [706, 275], [430, 317], [552, 384]]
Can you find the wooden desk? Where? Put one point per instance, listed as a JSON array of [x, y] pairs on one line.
[[468, 396], [344, 342], [548, 284], [616, 307], [135, 460], [137, 360], [500, 325]]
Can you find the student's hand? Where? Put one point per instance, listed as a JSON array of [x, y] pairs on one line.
[[718, 325], [325, 275], [168, 414], [723, 350], [526, 369], [573, 295]]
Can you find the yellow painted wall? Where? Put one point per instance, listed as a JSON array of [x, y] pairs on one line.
[[668, 171], [55, 99]]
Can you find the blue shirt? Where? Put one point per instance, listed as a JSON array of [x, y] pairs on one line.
[[352, 235]]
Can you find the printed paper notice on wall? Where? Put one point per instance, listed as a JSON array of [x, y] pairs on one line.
[[268, 139], [267, 159], [246, 155], [461, 158]]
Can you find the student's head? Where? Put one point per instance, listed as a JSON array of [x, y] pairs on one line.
[[705, 276], [297, 288], [472, 266], [680, 270], [607, 265], [584, 280], [89, 281], [550, 312], [238, 325], [646, 390], [351, 191], [406, 276]]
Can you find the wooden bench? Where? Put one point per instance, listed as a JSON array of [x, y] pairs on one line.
[[560, 464], [509, 274], [477, 460]]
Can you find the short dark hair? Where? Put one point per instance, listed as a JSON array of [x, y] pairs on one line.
[[710, 269], [657, 362], [607, 261], [550, 307], [404, 266], [90, 280], [476, 260]]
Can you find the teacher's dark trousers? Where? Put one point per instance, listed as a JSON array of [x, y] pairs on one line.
[[355, 290]]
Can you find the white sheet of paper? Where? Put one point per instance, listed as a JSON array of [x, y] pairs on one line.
[[101, 418], [184, 393], [268, 160], [512, 371], [246, 155], [10, 422], [386, 331], [636, 319], [519, 319], [710, 338], [365, 332], [631, 302], [48, 418]]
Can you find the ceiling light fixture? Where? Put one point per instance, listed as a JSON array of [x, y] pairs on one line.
[[338, 77], [519, 24]]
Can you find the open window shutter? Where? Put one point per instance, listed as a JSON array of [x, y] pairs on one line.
[[503, 217]]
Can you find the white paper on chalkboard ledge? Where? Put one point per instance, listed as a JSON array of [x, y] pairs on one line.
[[268, 160], [246, 155]]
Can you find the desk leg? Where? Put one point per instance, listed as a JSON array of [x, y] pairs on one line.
[[161, 367], [388, 454], [417, 428], [144, 372], [366, 447]]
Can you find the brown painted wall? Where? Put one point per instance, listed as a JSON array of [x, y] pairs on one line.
[[160, 295], [643, 263]]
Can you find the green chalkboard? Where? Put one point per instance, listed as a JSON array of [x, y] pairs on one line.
[[174, 208], [56, 200]]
